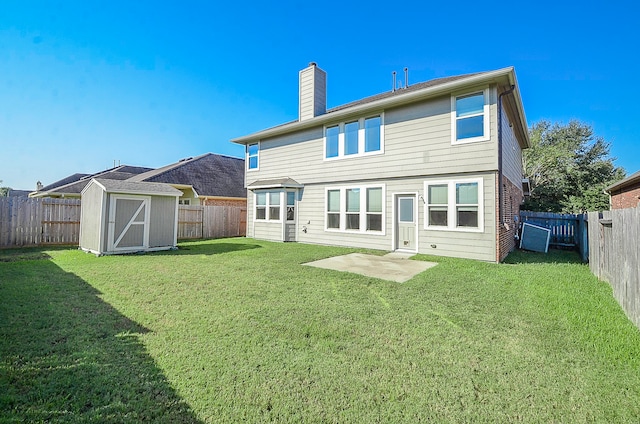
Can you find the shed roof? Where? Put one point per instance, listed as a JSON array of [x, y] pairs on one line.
[[131, 187], [209, 175], [629, 181]]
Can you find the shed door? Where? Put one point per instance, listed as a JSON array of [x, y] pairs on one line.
[[128, 222]]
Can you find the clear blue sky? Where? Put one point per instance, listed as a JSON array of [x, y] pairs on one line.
[[147, 83]]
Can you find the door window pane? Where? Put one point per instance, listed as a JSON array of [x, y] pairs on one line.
[[406, 209], [291, 203]]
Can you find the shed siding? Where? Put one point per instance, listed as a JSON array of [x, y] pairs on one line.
[[91, 219], [511, 152], [417, 142], [162, 221]]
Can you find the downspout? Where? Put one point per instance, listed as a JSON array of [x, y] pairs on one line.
[[500, 193]]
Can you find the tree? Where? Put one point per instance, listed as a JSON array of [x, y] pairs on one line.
[[4, 191], [568, 168]]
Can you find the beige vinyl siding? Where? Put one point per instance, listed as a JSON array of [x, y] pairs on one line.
[[92, 218], [511, 152], [464, 244], [162, 221], [265, 230], [417, 142], [311, 214]]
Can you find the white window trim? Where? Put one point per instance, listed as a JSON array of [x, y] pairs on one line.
[[451, 206], [267, 205], [257, 156], [485, 111], [363, 209], [361, 139]]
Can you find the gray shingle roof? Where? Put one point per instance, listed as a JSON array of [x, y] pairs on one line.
[[130, 187], [402, 91], [629, 181], [76, 184], [209, 174], [275, 183]]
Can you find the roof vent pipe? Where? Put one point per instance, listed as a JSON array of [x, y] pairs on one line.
[[406, 77], [393, 85]]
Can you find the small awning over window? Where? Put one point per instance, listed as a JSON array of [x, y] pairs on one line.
[[285, 182]]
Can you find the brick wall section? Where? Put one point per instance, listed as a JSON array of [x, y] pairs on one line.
[[628, 197], [511, 200], [242, 203]]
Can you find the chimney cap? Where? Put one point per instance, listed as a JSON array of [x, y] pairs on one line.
[[313, 64]]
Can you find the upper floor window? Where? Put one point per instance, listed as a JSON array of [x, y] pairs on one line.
[[470, 117], [253, 151], [355, 138], [454, 205]]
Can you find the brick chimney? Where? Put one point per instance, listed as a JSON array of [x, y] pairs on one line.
[[313, 92]]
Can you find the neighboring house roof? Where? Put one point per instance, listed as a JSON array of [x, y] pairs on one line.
[[76, 185], [620, 185], [70, 179], [210, 175], [18, 193], [413, 93], [143, 188]]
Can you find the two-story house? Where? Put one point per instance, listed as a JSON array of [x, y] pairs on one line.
[[433, 168]]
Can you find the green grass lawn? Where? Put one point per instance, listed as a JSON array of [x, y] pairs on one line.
[[236, 330]]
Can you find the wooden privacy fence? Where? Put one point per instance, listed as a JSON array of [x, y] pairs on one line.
[[33, 222], [567, 230], [211, 221], [614, 255]]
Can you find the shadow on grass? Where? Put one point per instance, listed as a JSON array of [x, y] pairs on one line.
[[553, 256], [201, 248], [67, 356]]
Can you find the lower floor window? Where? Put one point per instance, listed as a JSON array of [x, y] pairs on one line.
[[354, 209], [453, 205], [267, 201]]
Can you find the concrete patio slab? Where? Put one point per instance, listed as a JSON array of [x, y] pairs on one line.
[[392, 267]]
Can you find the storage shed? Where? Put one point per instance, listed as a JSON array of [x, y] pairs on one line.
[[125, 217]]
